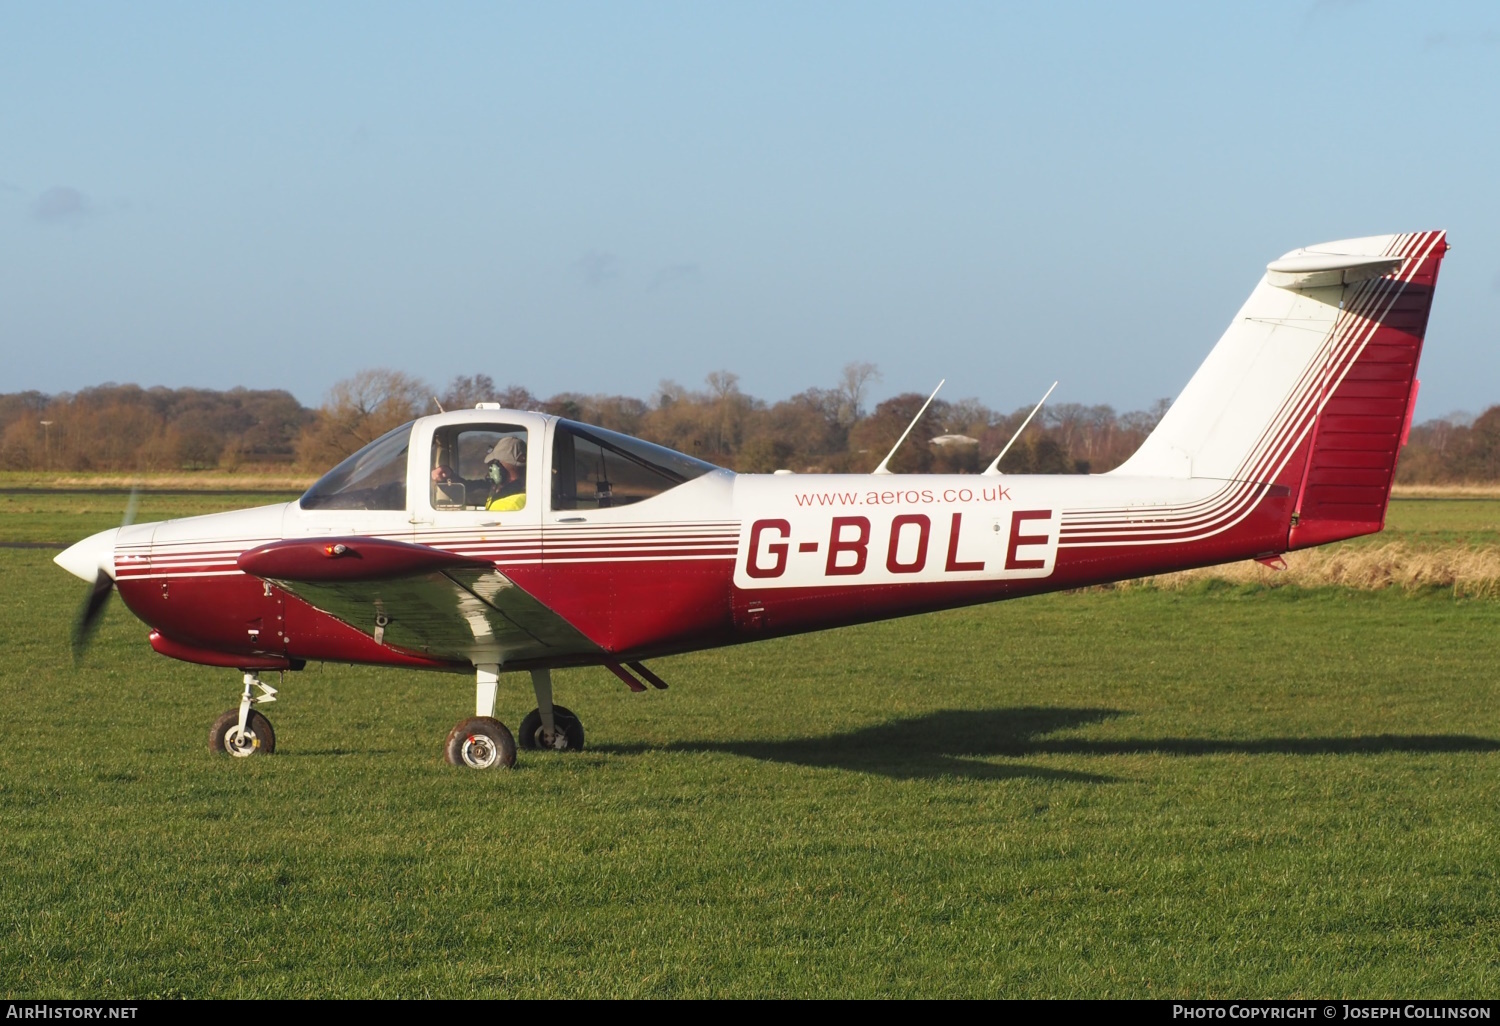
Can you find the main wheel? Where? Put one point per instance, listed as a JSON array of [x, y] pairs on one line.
[[568, 737], [258, 738], [481, 743]]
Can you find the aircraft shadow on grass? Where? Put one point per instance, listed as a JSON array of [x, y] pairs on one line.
[[951, 743]]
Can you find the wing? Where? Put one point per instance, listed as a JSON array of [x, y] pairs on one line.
[[419, 599]]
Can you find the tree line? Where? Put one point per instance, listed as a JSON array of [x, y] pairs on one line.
[[830, 430]]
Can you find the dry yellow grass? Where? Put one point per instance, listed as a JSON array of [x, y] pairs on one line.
[[1472, 572], [1460, 490], [208, 481]]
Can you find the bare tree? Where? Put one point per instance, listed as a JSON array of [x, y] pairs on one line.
[[853, 389], [466, 390], [360, 409]]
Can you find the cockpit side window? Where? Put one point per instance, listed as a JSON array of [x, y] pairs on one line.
[[596, 469], [479, 466], [373, 478]]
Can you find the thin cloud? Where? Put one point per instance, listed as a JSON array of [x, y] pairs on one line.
[[61, 204], [597, 269], [674, 274]]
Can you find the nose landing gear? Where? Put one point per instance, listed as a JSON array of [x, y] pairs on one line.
[[244, 732]]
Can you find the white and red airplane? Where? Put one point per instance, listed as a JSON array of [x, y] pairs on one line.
[[492, 540]]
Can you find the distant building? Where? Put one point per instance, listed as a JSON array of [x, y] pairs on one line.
[[954, 440]]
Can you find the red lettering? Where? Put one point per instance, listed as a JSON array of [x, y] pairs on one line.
[[838, 545], [954, 566], [777, 549], [1017, 539], [892, 555]]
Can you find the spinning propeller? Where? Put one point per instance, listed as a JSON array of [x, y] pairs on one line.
[[97, 550]]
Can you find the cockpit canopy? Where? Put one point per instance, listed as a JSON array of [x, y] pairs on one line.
[[373, 478], [591, 468]]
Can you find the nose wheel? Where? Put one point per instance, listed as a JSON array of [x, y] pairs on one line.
[[244, 731], [256, 738]]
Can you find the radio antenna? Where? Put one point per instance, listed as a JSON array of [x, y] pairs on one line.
[[884, 467], [993, 470]]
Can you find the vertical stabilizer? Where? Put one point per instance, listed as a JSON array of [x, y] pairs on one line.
[[1311, 387]]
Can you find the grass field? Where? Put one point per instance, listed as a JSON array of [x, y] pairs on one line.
[[1213, 791]]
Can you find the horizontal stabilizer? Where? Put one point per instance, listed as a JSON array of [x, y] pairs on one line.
[[1307, 270]]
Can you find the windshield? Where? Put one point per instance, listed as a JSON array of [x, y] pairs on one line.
[[373, 478], [595, 469]]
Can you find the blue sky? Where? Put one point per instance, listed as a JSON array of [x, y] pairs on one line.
[[594, 197]]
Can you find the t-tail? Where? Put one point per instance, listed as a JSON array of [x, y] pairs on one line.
[[1309, 394]]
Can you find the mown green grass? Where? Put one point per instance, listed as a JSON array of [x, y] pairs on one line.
[[64, 516], [1433, 523], [1203, 793]]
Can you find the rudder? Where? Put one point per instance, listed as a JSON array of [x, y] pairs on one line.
[[1368, 400]]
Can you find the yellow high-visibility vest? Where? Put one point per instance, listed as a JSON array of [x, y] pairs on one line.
[[507, 503]]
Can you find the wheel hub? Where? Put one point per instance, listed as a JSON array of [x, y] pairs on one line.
[[241, 743], [557, 741], [479, 751]]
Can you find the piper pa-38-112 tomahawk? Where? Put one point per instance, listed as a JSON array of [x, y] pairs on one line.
[[493, 540]]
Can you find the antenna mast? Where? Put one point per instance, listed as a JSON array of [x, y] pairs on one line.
[[884, 468], [993, 470]]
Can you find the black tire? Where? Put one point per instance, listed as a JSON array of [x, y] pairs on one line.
[[569, 731], [260, 737], [481, 743]]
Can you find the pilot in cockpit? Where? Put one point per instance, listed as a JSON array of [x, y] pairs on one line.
[[505, 476]]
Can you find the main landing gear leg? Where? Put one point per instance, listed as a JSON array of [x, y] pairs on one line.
[[541, 684], [548, 726], [244, 732], [482, 742]]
